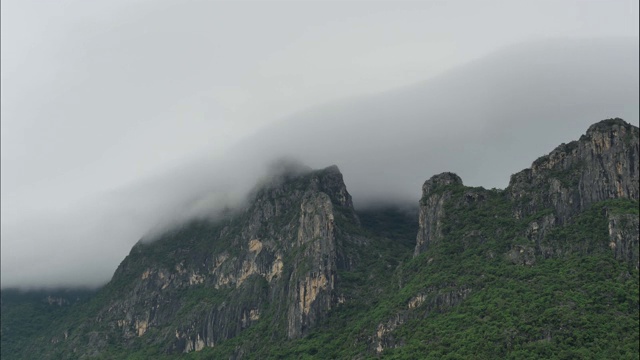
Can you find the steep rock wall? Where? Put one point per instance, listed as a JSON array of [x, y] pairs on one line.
[[602, 165], [435, 192], [207, 282], [624, 231]]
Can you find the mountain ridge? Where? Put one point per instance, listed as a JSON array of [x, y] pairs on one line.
[[299, 272]]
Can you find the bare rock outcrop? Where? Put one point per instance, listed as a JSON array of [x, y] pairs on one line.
[[435, 192], [624, 231], [602, 165], [208, 282]]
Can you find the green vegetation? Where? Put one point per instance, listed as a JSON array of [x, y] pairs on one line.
[[578, 306], [26, 314], [461, 299]]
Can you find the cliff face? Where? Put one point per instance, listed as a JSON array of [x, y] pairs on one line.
[[624, 231], [602, 165], [278, 261], [579, 200], [207, 282], [435, 192]]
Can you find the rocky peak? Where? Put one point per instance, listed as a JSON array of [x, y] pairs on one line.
[[610, 126], [602, 165], [437, 182], [435, 192], [281, 251], [331, 182], [297, 180], [284, 192]]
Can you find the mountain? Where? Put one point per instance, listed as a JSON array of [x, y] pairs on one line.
[[526, 98], [545, 268]]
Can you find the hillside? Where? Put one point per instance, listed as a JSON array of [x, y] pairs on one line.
[[545, 268]]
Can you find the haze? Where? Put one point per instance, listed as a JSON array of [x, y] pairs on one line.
[[119, 118]]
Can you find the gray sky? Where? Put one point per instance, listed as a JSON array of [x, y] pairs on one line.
[[119, 115]]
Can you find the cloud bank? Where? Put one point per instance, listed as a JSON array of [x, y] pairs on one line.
[[484, 120]]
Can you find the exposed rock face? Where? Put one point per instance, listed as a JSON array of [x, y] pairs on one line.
[[602, 165], [430, 300], [559, 207], [223, 321], [538, 229], [435, 192], [624, 231], [282, 250], [522, 255], [312, 291], [383, 338]]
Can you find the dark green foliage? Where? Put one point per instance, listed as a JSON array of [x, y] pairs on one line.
[[28, 314], [588, 232], [578, 306], [455, 189], [621, 206], [578, 303], [532, 312]]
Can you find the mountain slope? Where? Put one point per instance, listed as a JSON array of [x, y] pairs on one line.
[[546, 268]]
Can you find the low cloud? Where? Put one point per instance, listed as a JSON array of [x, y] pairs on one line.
[[485, 120]]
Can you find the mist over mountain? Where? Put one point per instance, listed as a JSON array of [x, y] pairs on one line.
[[483, 120], [544, 268], [479, 120]]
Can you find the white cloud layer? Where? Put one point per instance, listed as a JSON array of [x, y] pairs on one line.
[[120, 115]]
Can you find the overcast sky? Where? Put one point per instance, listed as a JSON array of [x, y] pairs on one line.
[[119, 115]]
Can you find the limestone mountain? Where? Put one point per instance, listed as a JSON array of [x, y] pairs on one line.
[[547, 267], [602, 165], [207, 282]]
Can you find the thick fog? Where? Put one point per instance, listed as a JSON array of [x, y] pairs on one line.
[[121, 119]]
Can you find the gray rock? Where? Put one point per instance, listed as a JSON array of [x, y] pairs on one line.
[[435, 192], [602, 165]]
